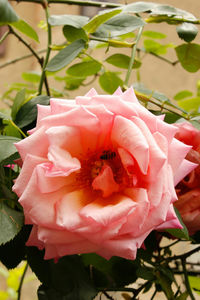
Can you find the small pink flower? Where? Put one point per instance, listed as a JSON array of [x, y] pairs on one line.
[[188, 189], [98, 175]]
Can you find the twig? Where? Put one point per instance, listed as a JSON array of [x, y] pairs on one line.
[[21, 282], [185, 255], [13, 61], [76, 2], [173, 63], [4, 36], [130, 67], [107, 295], [43, 76], [34, 53], [187, 284]]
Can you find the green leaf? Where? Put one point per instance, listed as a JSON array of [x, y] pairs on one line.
[[72, 20], [140, 6], [97, 20], [179, 233], [189, 56], [110, 81], [190, 105], [7, 147], [11, 222], [72, 33], [155, 47], [170, 11], [31, 76], [119, 25], [154, 34], [122, 61], [11, 130], [145, 273], [7, 13], [65, 56], [25, 28], [86, 68], [182, 95], [28, 112], [187, 31], [18, 102], [195, 283], [72, 83]]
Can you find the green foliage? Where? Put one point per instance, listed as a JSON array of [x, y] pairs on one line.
[[195, 283], [86, 68], [11, 222], [189, 56], [72, 33], [179, 233], [71, 20], [7, 148], [187, 31], [110, 81], [65, 56], [154, 34], [25, 28], [122, 61], [7, 13]]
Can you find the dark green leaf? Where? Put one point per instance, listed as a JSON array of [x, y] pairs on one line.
[[179, 233], [25, 28], [182, 95], [31, 76], [72, 33], [7, 147], [11, 130], [165, 284], [122, 61], [11, 222], [7, 13], [86, 68], [4, 116], [187, 31], [189, 56], [18, 102], [183, 296], [49, 293], [171, 117], [140, 6], [110, 81], [65, 56], [154, 34], [97, 20], [145, 273], [119, 25], [13, 252], [28, 112], [72, 20]]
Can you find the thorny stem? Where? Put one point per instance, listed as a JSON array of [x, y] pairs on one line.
[[21, 282], [187, 284], [43, 76], [4, 36], [34, 53], [128, 74]]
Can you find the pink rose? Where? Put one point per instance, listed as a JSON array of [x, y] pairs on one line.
[[98, 175], [188, 189]]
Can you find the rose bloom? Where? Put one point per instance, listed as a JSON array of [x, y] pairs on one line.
[[98, 175], [188, 189]]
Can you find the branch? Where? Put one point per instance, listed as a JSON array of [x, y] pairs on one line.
[[187, 284], [4, 36], [13, 61], [184, 255], [76, 2], [34, 53]]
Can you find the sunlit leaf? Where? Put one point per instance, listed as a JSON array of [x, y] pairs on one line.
[[110, 81], [31, 76], [140, 6], [95, 22], [189, 56], [154, 34], [182, 95], [18, 102], [86, 68], [191, 104], [72, 33], [25, 28], [122, 61]]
